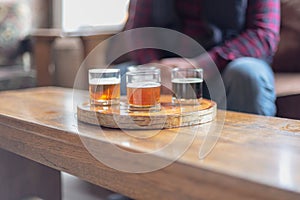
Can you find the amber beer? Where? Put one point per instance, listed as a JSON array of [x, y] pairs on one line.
[[143, 94], [106, 92], [104, 86], [143, 89]]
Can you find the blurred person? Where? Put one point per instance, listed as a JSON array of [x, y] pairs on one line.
[[240, 37]]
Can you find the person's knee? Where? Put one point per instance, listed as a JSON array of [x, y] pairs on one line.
[[247, 70], [249, 84]]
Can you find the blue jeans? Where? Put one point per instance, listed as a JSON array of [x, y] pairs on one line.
[[249, 86], [248, 82]]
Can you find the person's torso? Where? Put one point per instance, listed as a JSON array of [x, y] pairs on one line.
[[210, 22]]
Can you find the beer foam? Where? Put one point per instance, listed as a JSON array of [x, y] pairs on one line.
[[143, 85], [104, 81], [187, 80]]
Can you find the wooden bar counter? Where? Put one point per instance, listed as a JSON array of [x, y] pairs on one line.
[[255, 157]]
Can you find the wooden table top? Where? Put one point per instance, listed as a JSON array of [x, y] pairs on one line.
[[255, 157]]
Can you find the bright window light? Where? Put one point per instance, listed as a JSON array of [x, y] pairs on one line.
[[94, 14]]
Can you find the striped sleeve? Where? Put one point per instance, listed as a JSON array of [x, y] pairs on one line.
[[260, 37]]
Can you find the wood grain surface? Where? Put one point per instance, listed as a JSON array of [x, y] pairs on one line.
[[169, 116], [255, 157]]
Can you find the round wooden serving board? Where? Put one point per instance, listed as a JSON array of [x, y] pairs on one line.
[[170, 115]]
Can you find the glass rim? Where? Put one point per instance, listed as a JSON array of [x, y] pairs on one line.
[[187, 69], [98, 70], [141, 68], [144, 72]]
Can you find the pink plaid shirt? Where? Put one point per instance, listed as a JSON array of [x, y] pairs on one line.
[[259, 39]]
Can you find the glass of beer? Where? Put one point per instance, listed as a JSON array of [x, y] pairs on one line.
[[187, 85], [104, 86], [143, 89]]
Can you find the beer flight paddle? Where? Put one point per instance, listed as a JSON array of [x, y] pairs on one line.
[[144, 107]]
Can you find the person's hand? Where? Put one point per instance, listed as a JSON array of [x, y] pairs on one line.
[[179, 62], [203, 61]]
